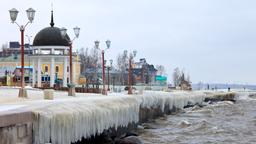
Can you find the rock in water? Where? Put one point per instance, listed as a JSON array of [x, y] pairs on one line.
[[130, 140], [148, 126], [140, 127], [253, 96], [185, 124]]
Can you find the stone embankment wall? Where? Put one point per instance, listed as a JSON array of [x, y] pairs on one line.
[[93, 119], [16, 127]]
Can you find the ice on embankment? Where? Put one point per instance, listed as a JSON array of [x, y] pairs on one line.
[[68, 121], [174, 99]]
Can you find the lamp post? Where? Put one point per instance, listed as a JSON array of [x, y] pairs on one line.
[[108, 43], [29, 54], [13, 15], [109, 67], [71, 85], [132, 55]]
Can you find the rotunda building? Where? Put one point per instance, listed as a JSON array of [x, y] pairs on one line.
[[50, 58]]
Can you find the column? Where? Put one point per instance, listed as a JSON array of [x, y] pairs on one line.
[[52, 51], [33, 73], [65, 72], [39, 76], [52, 75], [39, 51]]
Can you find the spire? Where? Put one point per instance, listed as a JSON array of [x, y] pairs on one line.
[[52, 23]]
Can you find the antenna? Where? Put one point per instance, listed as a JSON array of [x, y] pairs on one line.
[[52, 23], [52, 6]]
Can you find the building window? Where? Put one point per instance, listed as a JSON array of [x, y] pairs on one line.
[[46, 68], [67, 68], [57, 69]]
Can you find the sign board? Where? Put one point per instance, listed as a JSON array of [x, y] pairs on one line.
[[161, 78]]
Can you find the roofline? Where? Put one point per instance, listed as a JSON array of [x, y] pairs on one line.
[[56, 47]]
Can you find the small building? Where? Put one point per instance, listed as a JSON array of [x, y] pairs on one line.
[[27, 74], [50, 58], [14, 49], [144, 72], [184, 84]]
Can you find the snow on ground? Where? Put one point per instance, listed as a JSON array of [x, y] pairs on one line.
[[10, 107], [67, 119]]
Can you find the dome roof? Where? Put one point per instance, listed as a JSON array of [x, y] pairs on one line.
[[50, 36]]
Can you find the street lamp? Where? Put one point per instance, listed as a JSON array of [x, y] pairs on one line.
[[63, 31], [13, 15], [29, 54], [132, 55], [108, 68], [108, 43]]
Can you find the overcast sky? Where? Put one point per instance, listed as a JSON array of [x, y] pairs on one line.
[[213, 40]]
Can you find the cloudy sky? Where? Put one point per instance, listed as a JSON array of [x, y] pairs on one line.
[[213, 40]]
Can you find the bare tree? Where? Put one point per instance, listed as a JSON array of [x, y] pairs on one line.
[[4, 46], [83, 55], [176, 76], [122, 65], [182, 76], [160, 70], [188, 78], [89, 61]]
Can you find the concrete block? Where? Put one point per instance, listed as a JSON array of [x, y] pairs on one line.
[[72, 91], [48, 94], [23, 93]]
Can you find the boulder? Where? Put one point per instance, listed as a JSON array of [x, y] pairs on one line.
[[130, 140]]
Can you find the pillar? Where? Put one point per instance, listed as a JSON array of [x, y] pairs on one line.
[[39, 51], [52, 51], [65, 72], [39, 76], [52, 75]]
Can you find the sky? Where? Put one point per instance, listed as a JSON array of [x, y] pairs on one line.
[[214, 41]]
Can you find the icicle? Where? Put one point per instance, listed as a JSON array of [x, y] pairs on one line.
[[69, 120]]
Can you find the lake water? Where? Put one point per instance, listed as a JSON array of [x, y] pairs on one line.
[[222, 122]]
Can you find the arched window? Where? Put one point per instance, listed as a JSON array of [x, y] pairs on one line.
[[46, 69], [57, 69]]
